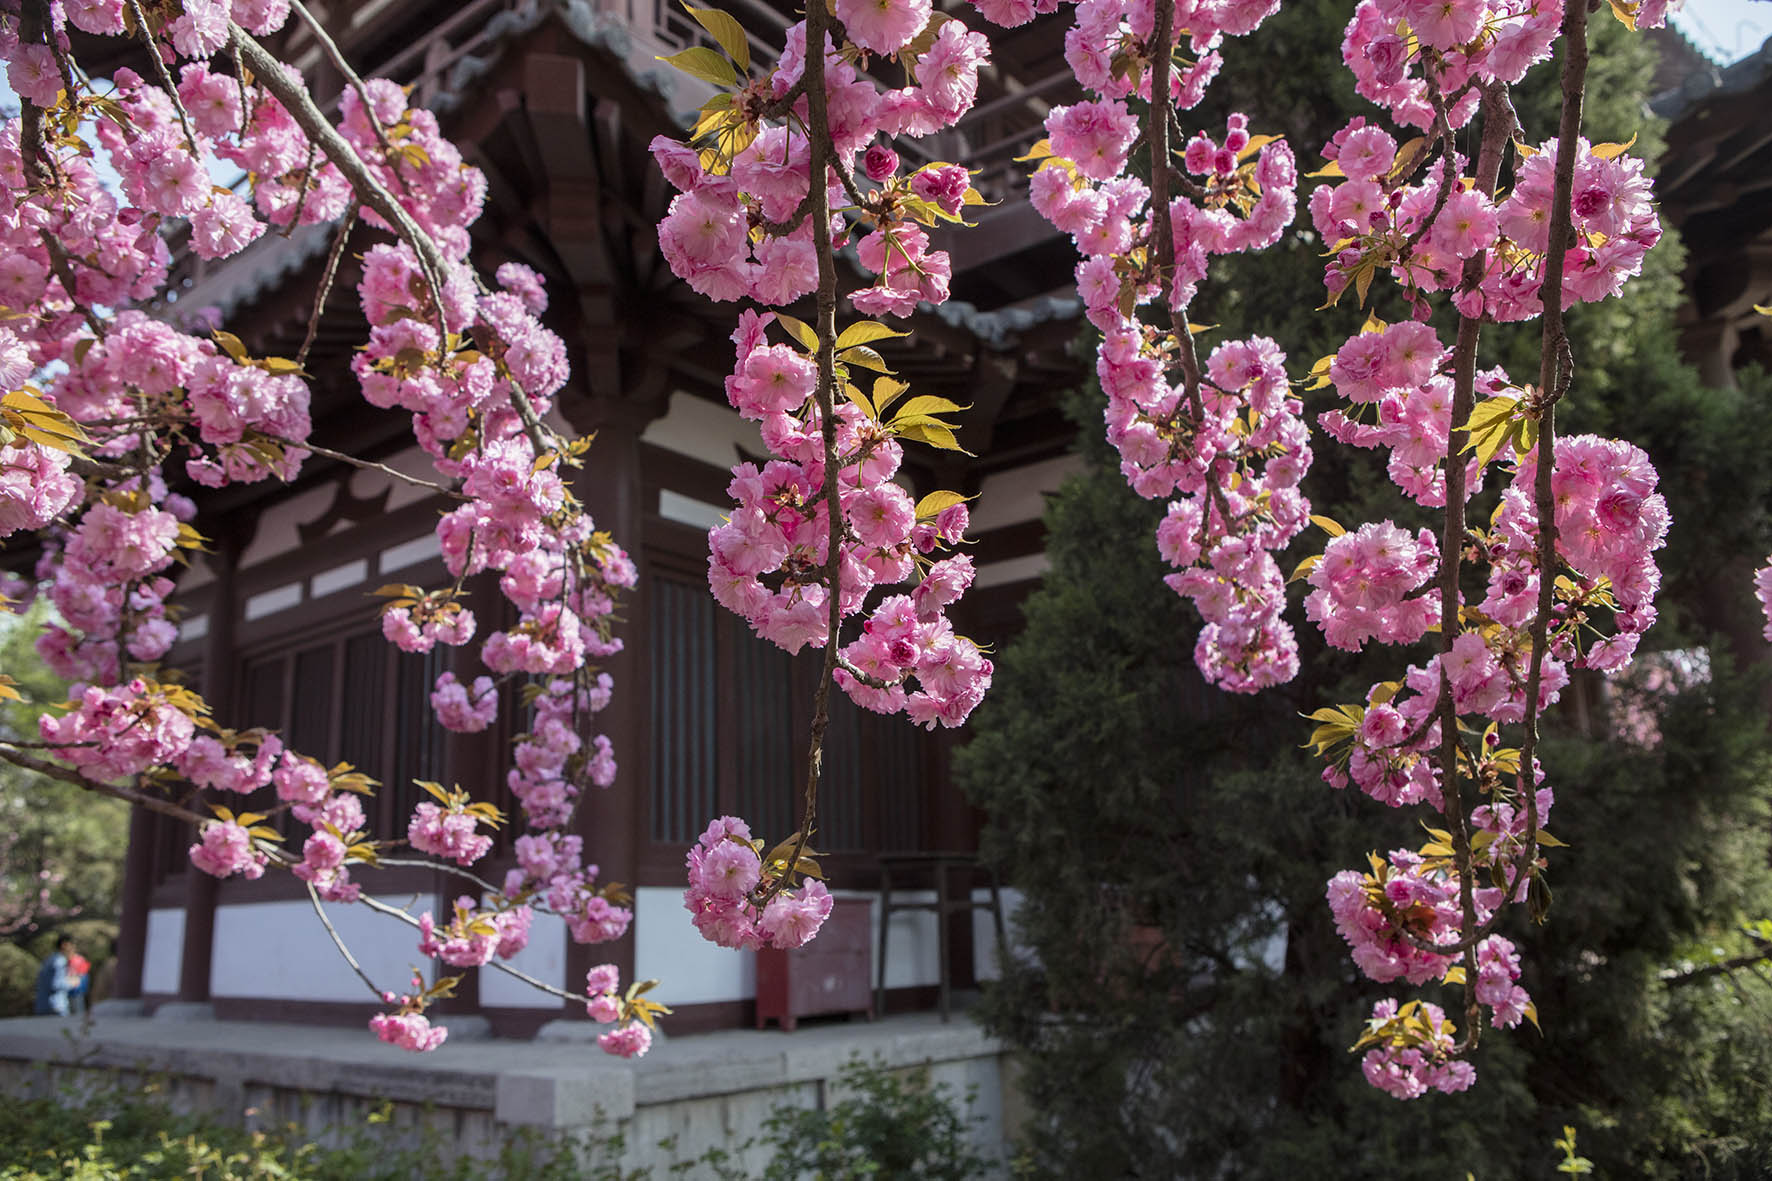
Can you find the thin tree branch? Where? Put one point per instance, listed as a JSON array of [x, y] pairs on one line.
[[1554, 370], [1675, 977], [369, 465], [171, 87], [818, 133], [338, 249], [343, 66], [381, 907], [1497, 133], [314, 897]]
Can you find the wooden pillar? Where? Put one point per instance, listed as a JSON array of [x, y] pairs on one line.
[[202, 889], [138, 883], [611, 488]]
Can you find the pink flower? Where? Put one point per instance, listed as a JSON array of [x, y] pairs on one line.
[[227, 849], [630, 1041], [1094, 135], [883, 26], [409, 1031]]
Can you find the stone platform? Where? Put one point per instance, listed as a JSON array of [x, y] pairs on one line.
[[697, 1092]]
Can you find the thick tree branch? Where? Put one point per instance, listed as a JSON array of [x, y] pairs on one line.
[[818, 193], [1498, 128]]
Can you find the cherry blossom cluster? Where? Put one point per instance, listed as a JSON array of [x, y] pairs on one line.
[[408, 1027], [1414, 1052], [1373, 583], [550, 865], [150, 400], [766, 563], [1236, 466], [728, 876], [740, 229], [1399, 402], [1375, 220], [631, 1038], [473, 937], [759, 176], [1410, 211], [1230, 440]]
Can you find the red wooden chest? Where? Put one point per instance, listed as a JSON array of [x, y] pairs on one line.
[[832, 974]]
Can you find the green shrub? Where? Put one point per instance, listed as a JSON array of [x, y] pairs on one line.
[[892, 1124], [18, 980], [126, 1134]]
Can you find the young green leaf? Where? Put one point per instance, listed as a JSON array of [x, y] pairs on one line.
[[725, 30], [701, 62]]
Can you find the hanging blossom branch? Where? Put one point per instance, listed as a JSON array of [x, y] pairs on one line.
[[112, 395], [1415, 915], [1228, 441], [1552, 567], [770, 188]]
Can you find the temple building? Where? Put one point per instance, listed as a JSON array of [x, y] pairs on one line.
[[556, 103]]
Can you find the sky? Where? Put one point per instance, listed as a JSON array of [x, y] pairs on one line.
[[1726, 30]]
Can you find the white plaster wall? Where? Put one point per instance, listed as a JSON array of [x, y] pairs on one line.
[[1009, 497], [702, 430], [544, 959], [686, 510], [166, 946], [414, 461], [279, 949], [689, 969], [276, 533], [984, 931], [1012, 570], [198, 573]]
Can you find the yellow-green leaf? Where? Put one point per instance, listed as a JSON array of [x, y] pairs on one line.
[[936, 435], [1255, 144], [1304, 568], [929, 404], [933, 504], [1408, 156], [1610, 151], [725, 30], [703, 63], [866, 357], [866, 332], [1331, 169], [888, 390], [800, 330], [860, 399], [232, 345], [1327, 525], [1363, 280]]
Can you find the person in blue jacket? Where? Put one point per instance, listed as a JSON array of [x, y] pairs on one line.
[[55, 980]]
